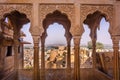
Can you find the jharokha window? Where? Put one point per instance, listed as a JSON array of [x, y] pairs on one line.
[[9, 51]]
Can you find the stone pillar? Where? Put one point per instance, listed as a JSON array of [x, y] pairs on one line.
[[116, 57], [21, 51], [42, 62], [76, 58], [22, 56], [2, 60], [94, 53], [16, 44], [16, 61], [68, 58], [36, 58], [35, 29], [43, 57], [16, 36]]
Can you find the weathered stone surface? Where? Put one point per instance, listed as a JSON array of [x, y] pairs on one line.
[[76, 12]]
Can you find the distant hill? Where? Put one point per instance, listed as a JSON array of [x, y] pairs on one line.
[[59, 44], [106, 46]]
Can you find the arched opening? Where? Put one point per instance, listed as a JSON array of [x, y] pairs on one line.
[[99, 39], [27, 41], [60, 52], [104, 48], [85, 49], [55, 55], [11, 25]]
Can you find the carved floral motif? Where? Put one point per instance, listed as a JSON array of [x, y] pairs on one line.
[[90, 9], [23, 8], [67, 9], [107, 10]]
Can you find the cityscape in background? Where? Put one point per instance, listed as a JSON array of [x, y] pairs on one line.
[[56, 50], [56, 56]]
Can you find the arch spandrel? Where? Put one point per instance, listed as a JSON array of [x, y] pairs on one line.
[[23, 8], [60, 18], [116, 30], [67, 9], [104, 9]]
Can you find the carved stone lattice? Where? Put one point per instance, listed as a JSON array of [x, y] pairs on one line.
[[23, 8], [67, 9], [105, 9]]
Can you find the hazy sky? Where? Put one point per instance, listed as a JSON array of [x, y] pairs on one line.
[[56, 34]]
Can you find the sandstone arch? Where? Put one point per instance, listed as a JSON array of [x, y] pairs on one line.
[[67, 9], [105, 10]]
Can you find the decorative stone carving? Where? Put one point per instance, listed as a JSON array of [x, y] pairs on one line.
[[90, 9], [115, 40], [67, 9], [116, 30], [36, 40], [76, 40], [23, 8]]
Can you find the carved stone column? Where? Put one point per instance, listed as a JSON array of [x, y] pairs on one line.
[[68, 58], [43, 57], [16, 44], [116, 57], [21, 51], [22, 66], [16, 54], [94, 52], [36, 58], [1, 60], [76, 58]]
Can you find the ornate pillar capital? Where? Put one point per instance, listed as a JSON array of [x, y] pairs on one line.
[[68, 38], [76, 40], [36, 40], [77, 28], [36, 30], [115, 39]]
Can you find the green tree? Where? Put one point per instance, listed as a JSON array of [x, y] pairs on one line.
[[98, 45], [89, 45]]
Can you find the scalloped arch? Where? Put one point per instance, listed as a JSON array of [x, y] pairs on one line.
[[107, 10], [22, 8]]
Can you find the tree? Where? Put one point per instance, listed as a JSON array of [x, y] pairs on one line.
[[89, 45], [98, 45]]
